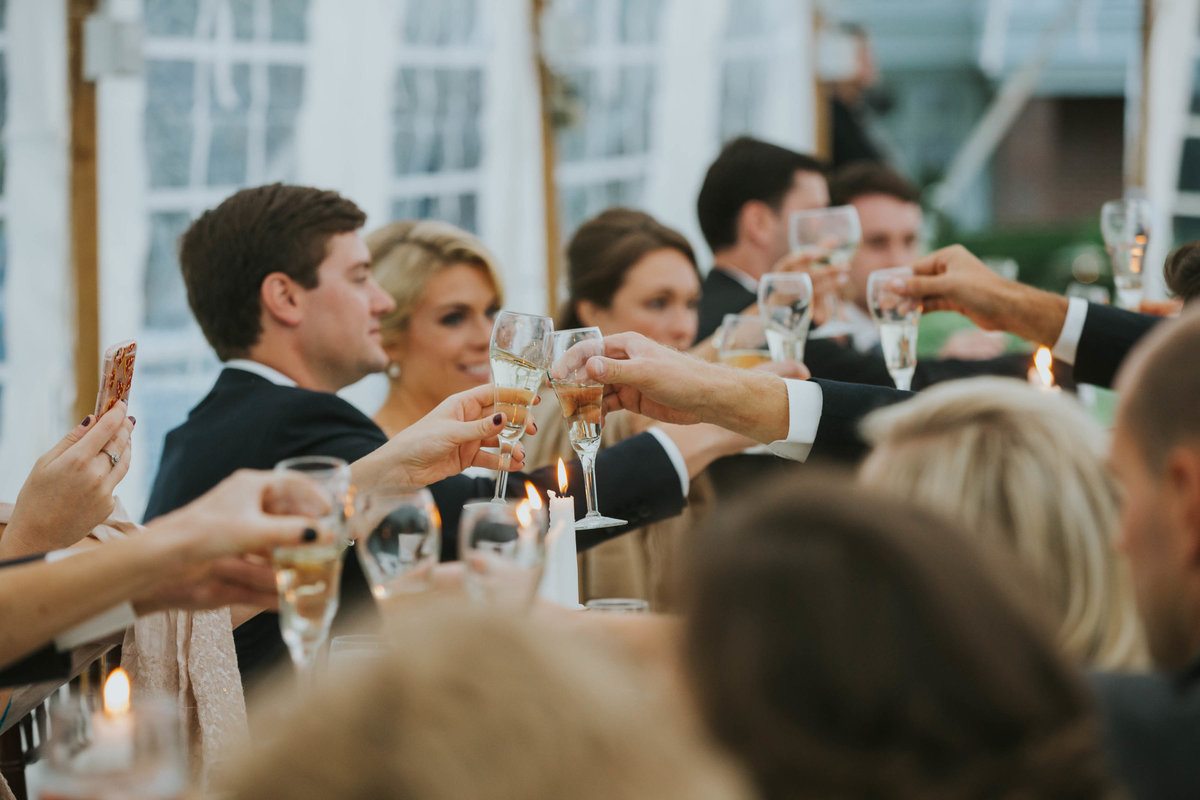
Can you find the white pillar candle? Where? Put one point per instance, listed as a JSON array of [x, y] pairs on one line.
[[560, 580]]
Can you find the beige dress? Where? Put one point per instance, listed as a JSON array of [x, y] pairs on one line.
[[642, 563]]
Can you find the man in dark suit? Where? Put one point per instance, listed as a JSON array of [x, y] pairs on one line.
[[279, 280]]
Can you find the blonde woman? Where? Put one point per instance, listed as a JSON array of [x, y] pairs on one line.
[[1025, 469], [447, 292]]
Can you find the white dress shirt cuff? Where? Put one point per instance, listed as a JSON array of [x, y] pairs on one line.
[[117, 618], [676, 457], [1068, 338], [805, 402]]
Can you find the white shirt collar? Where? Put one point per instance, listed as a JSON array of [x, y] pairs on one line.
[[262, 370], [748, 282]]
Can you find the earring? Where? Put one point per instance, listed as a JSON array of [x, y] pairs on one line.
[[393, 370]]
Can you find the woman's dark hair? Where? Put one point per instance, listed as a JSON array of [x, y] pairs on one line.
[[604, 248], [847, 645], [1182, 272]]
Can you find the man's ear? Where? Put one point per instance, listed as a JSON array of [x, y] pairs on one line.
[[756, 222], [1181, 474], [282, 299]]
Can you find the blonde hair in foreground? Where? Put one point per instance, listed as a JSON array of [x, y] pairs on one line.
[[405, 255], [1023, 468], [471, 705]]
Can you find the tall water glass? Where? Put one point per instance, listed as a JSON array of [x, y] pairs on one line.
[[898, 317], [503, 547], [741, 341], [785, 305], [1125, 225], [399, 540], [519, 354], [830, 236], [580, 397]]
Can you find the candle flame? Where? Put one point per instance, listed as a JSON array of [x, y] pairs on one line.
[[1042, 362], [116, 693], [524, 514], [562, 477], [535, 499]]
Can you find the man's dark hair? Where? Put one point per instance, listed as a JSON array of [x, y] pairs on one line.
[[227, 253], [747, 169], [867, 177], [1182, 272]]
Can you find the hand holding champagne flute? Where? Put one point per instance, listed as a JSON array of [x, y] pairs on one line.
[[830, 236], [519, 352], [581, 397], [898, 317], [785, 303]]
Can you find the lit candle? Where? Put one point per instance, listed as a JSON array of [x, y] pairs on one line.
[[1040, 374], [111, 748], [560, 582]]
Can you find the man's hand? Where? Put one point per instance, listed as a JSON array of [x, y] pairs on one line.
[[953, 279], [444, 442]]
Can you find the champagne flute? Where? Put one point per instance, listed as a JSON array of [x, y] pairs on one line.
[[519, 349], [898, 317], [399, 535], [785, 303], [503, 546], [741, 341], [332, 474], [580, 397], [830, 236], [1126, 228], [308, 578]]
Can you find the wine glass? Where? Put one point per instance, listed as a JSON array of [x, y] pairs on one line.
[[830, 236], [519, 349], [331, 473], [308, 579], [741, 341], [580, 397], [503, 546], [898, 317], [1126, 228], [399, 535], [785, 303]]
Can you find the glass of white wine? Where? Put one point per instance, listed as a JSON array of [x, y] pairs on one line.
[[898, 317], [1125, 225], [580, 397], [830, 236], [308, 579], [519, 352], [503, 547], [399, 540], [741, 341], [785, 304]]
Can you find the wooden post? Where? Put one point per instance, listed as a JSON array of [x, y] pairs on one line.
[[549, 161], [85, 258], [823, 96], [1135, 172]]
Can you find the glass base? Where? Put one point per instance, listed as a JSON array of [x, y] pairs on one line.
[[589, 522]]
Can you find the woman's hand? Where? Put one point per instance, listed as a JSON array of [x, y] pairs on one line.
[[70, 489]]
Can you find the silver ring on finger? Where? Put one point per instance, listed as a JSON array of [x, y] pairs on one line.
[[113, 457]]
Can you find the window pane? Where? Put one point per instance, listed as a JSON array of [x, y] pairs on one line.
[[171, 17], [166, 298], [289, 20], [169, 90]]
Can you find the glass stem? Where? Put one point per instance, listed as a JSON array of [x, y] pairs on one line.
[[506, 450], [588, 459]]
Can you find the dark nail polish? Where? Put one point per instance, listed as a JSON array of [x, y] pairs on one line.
[[497, 419], [86, 421], [309, 535], [132, 420]]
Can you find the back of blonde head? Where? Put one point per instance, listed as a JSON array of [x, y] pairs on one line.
[[1023, 468], [473, 705], [406, 254]]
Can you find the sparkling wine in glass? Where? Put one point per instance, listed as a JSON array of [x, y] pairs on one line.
[[785, 305], [399, 536], [519, 352], [830, 236], [741, 341], [332, 474], [1126, 228], [503, 547], [580, 398], [898, 317], [308, 579]]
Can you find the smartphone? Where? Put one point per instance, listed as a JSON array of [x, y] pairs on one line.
[[116, 376]]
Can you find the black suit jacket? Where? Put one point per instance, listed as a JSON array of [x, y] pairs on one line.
[[1109, 333], [1152, 728], [246, 421]]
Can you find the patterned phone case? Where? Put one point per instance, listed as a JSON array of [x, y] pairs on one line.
[[117, 375]]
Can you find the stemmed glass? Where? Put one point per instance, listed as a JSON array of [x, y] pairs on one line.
[[519, 352], [830, 236], [1126, 228], [741, 341], [898, 317], [308, 578], [785, 303], [580, 397], [399, 535], [503, 546], [330, 473]]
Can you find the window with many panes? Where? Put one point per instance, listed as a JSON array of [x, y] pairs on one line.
[[747, 45]]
